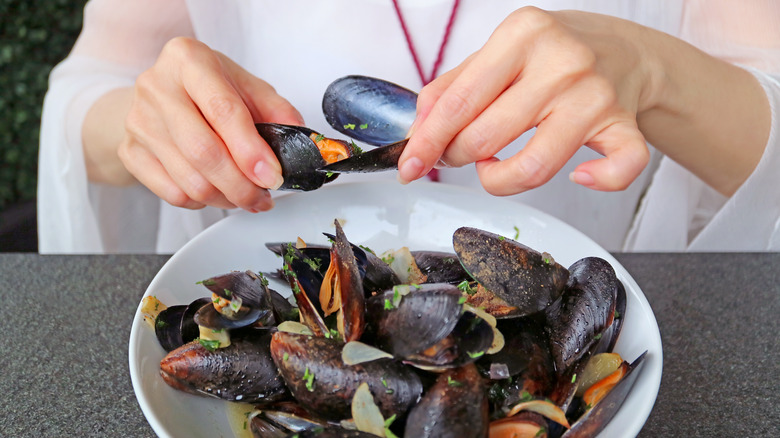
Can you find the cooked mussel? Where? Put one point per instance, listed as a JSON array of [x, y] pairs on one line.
[[301, 153], [320, 381], [584, 312], [521, 276], [243, 371], [175, 326], [455, 406], [370, 110], [426, 326], [239, 299]]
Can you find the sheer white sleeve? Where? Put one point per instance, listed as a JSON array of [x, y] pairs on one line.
[[119, 40], [679, 211]]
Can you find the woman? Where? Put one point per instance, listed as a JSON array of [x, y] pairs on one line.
[[165, 95]]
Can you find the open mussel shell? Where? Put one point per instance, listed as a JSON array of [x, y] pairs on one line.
[[321, 383], [370, 110], [175, 326], [521, 276], [407, 324], [526, 355], [248, 290], [440, 267], [427, 326], [298, 155], [242, 371], [595, 419], [584, 312], [375, 160], [455, 406]]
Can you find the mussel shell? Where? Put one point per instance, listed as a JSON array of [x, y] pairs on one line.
[[377, 275], [243, 371], [593, 421], [353, 307], [247, 285], [370, 110], [333, 384], [331, 432], [175, 326], [298, 155], [455, 406], [526, 354], [519, 275], [209, 317], [440, 267], [584, 311], [423, 317], [468, 341]]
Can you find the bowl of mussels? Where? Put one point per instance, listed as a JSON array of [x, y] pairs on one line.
[[433, 311]]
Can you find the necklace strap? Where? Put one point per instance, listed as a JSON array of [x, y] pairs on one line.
[[440, 56], [433, 175]]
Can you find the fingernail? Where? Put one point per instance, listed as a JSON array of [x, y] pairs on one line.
[[582, 178], [410, 170], [268, 176], [265, 203]]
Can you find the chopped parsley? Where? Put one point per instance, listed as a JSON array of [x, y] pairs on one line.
[[209, 345], [329, 174], [364, 126], [464, 286], [285, 357], [517, 232], [319, 138], [308, 377], [389, 422], [160, 323], [314, 263], [475, 355], [207, 282], [453, 382], [574, 378], [388, 304], [349, 126], [355, 148]]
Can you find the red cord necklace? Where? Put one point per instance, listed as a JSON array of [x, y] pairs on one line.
[[433, 174]]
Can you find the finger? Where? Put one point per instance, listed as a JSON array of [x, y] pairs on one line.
[[150, 172], [433, 91], [474, 88], [515, 111], [200, 152], [227, 114], [626, 156], [553, 144], [262, 100]]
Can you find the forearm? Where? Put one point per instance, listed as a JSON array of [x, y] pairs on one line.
[[711, 117], [102, 132]]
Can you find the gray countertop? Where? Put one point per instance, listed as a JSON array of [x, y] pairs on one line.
[[66, 324]]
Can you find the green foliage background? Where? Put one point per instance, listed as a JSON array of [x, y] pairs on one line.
[[34, 37]]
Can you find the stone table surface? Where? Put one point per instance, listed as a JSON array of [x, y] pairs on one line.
[[66, 323]]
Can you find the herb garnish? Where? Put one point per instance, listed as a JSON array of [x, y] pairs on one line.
[[208, 345], [308, 377]]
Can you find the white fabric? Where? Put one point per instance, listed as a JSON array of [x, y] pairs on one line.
[[299, 46]]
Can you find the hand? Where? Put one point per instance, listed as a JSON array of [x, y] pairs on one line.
[[190, 135], [577, 77]]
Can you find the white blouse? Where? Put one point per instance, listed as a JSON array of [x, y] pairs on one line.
[[300, 46]]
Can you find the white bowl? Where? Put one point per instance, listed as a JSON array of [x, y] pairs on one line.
[[380, 215]]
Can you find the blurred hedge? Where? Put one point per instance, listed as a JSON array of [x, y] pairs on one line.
[[35, 36]]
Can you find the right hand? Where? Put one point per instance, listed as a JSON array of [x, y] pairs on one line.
[[190, 135]]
